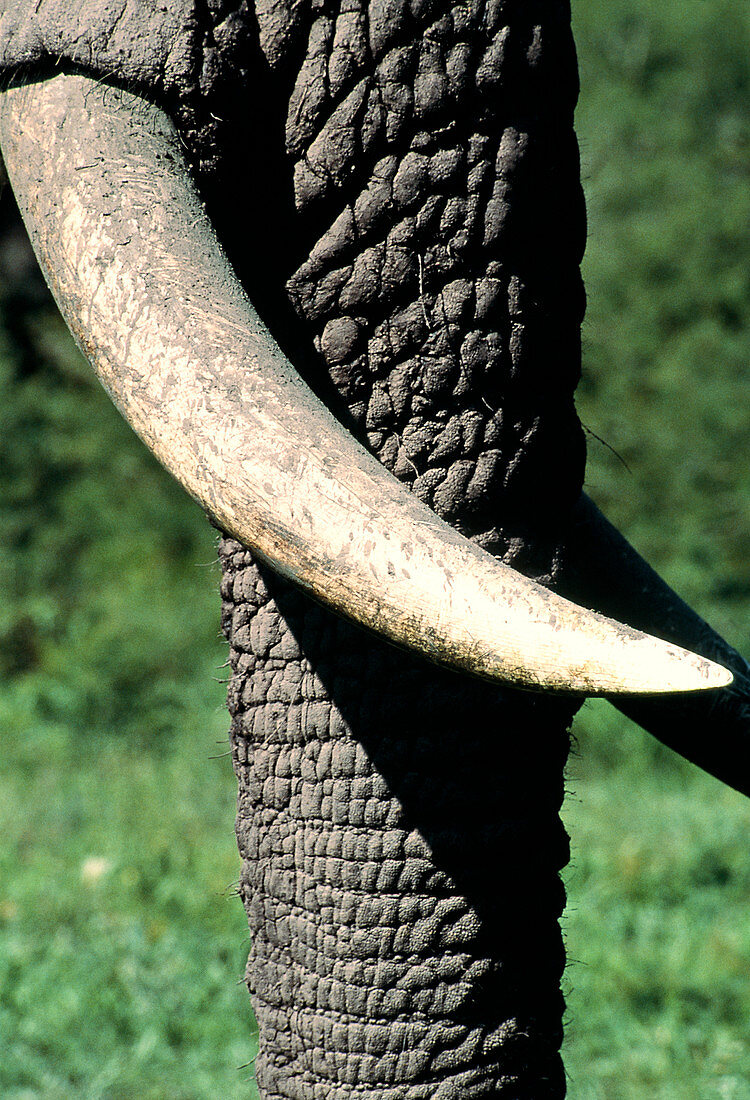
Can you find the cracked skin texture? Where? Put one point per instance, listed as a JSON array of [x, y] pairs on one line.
[[406, 175]]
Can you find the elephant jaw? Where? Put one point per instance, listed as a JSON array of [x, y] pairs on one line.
[[137, 271]]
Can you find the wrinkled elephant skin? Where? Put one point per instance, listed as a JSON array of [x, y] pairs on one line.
[[397, 188]]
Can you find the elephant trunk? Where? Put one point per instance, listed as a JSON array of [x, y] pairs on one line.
[[399, 825], [400, 861]]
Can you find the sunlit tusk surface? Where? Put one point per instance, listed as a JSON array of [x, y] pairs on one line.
[[142, 282]]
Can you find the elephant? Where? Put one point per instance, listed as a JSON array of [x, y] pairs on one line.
[[395, 187]]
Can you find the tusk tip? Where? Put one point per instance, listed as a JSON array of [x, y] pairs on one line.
[[715, 676], [684, 671], [634, 663]]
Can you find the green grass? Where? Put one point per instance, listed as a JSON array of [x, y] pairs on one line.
[[657, 929], [121, 940], [658, 926]]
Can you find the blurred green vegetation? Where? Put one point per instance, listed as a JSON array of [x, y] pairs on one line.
[[664, 124], [121, 941], [658, 927]]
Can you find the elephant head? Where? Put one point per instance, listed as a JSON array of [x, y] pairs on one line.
[[407, 175]]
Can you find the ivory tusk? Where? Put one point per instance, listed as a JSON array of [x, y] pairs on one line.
[[141, 280]]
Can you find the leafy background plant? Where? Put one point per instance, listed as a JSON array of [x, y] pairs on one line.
[[121, 941]]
